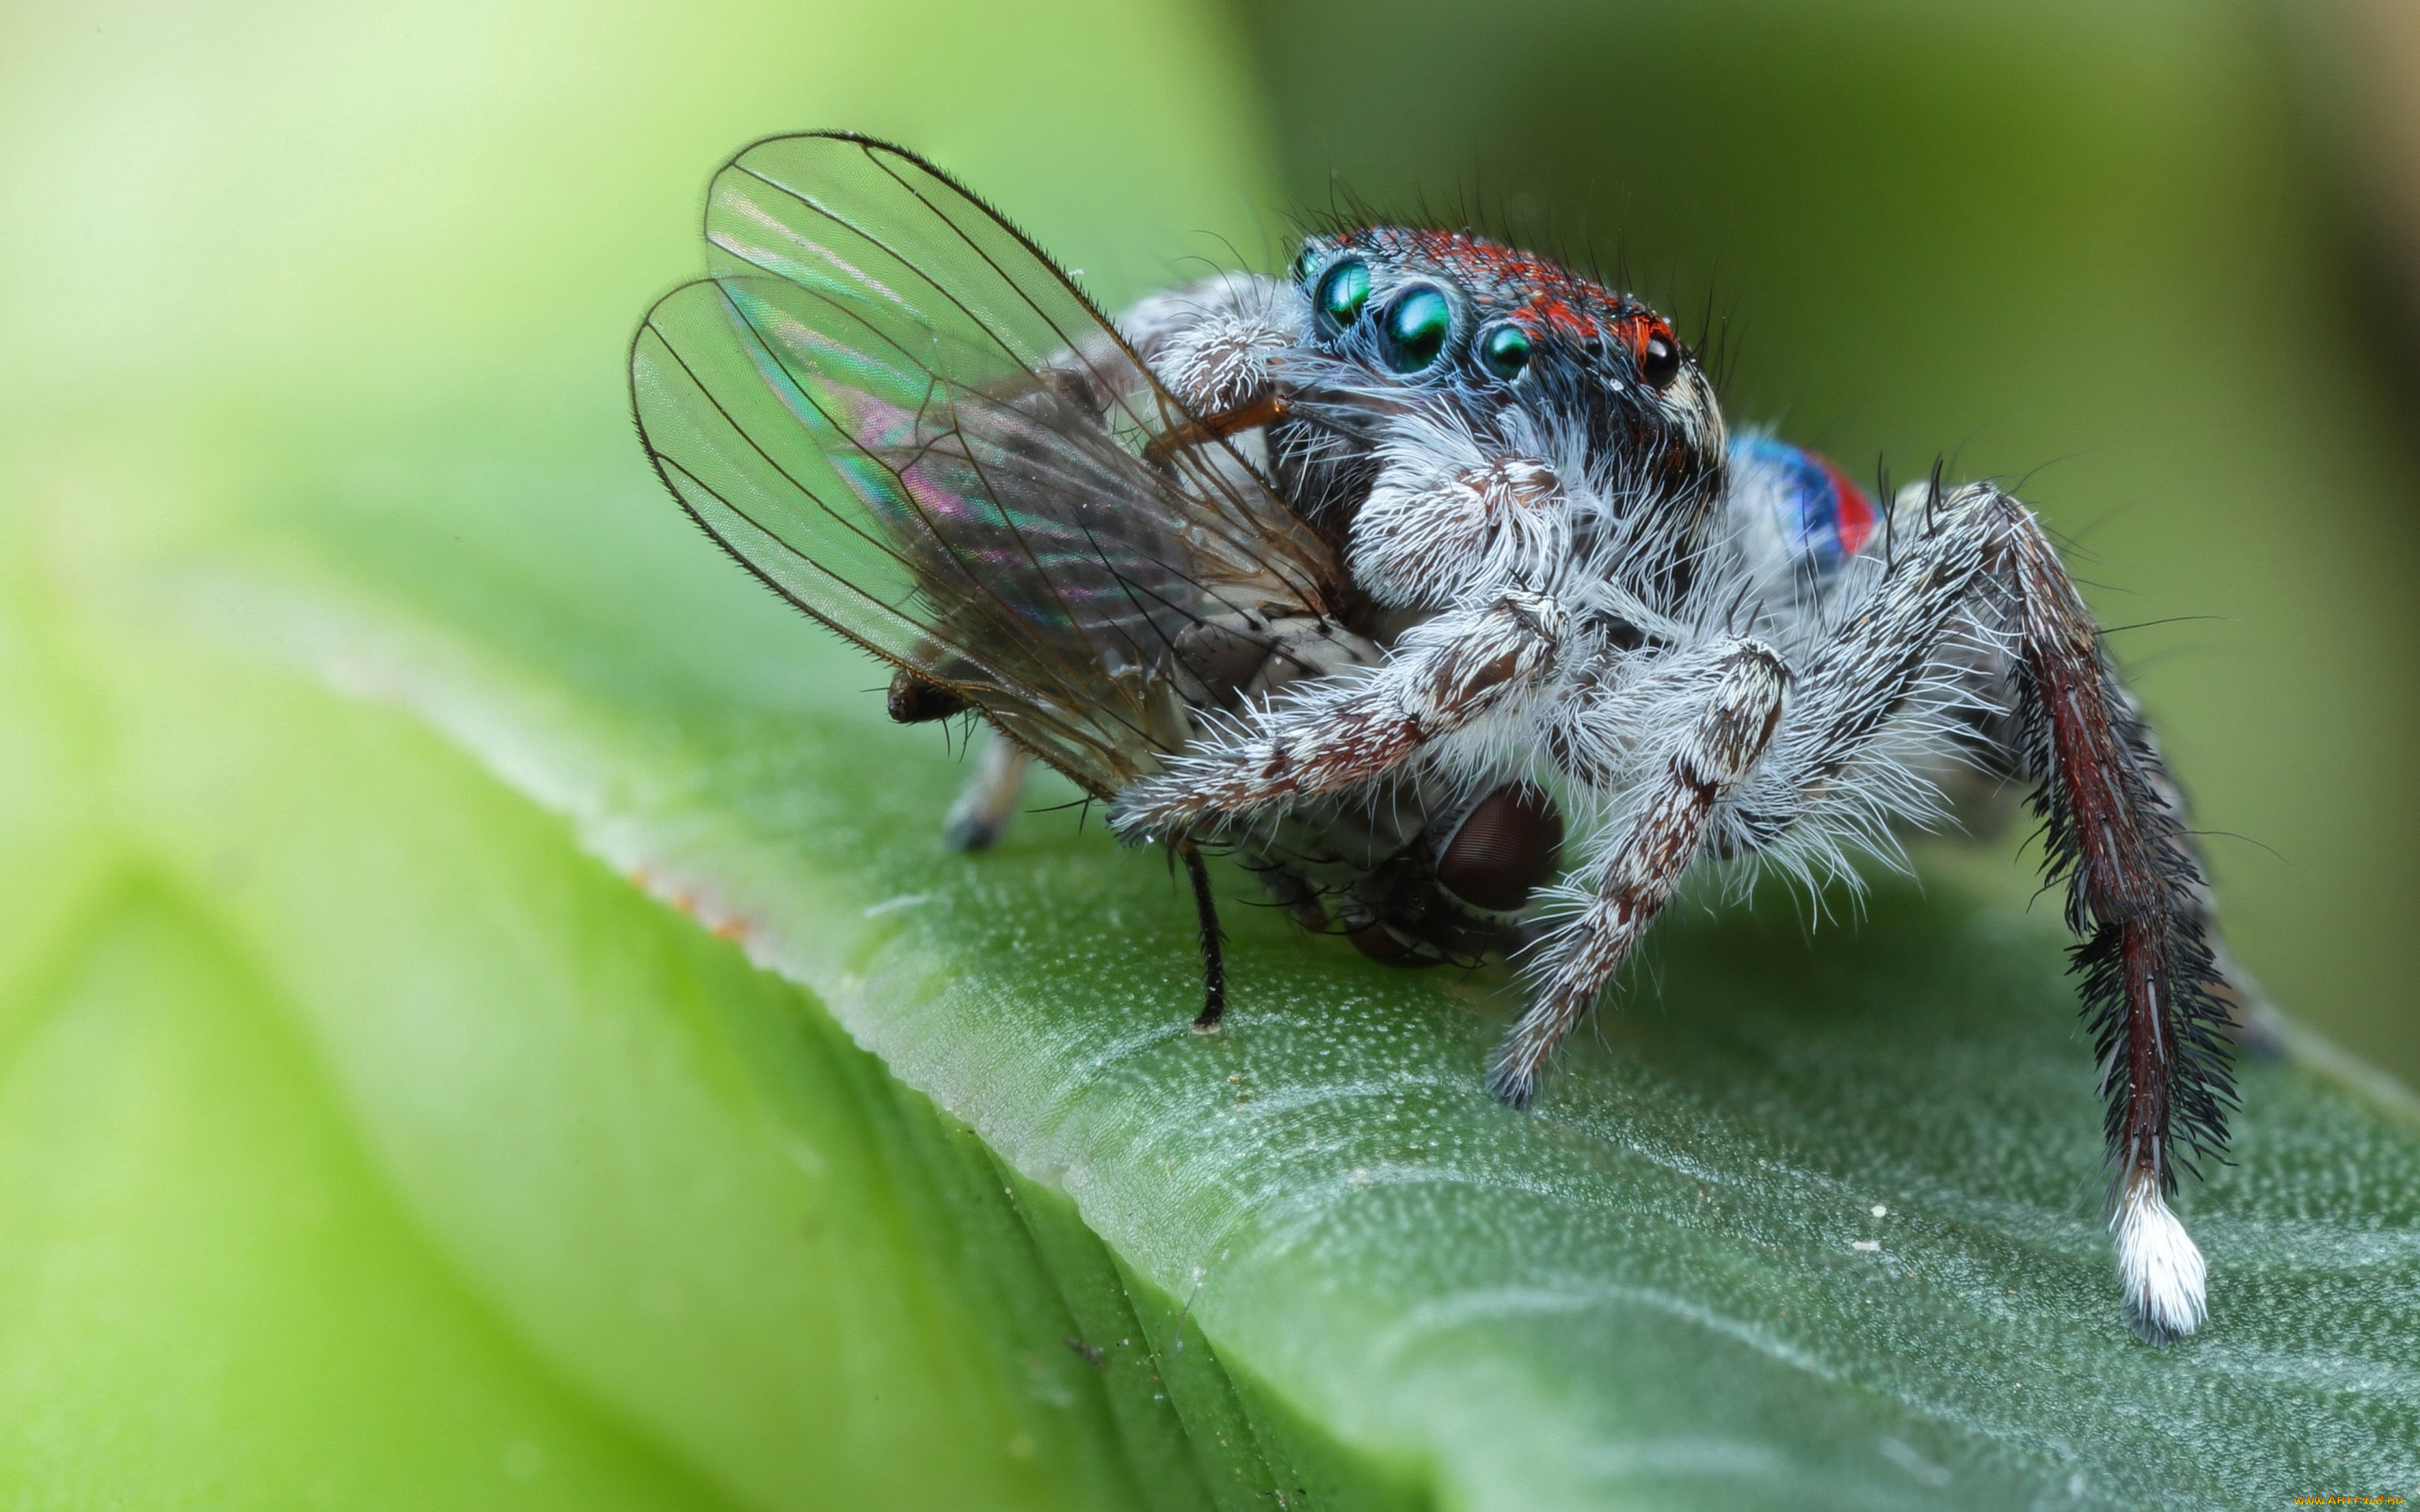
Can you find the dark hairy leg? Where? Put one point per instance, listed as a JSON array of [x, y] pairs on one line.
[[2136, 899], [1214, 958], [2153, 991]]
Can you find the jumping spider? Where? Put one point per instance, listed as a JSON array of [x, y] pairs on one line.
[[1353, 573]]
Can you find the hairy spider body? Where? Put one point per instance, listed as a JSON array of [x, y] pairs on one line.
[[1369, 574], [1720, 648]]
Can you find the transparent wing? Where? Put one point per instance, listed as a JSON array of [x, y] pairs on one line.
[[895, 410]]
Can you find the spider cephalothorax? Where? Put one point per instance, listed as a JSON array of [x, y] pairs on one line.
[[1413, 340], [1395, 366], [1497, 329]]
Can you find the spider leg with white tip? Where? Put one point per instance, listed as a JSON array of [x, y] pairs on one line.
[[2151, 982], [1977, 566]]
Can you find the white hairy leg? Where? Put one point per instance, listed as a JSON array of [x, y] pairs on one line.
[[1445, 676], [1734, 700]]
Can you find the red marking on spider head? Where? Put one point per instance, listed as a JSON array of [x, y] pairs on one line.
[[1544, 296]]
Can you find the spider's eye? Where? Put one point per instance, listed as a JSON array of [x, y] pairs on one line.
[[1505, 352], [1305, 262], [1659, 360], [1419, 324], [1344, 291]]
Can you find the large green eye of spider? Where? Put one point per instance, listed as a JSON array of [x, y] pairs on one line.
[[1418, 325], [1505, 352], [1344, 291]]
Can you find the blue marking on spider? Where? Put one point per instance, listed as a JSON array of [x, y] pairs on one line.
[[1824, 518]]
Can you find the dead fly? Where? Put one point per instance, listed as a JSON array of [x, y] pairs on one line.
[[1348, 573]]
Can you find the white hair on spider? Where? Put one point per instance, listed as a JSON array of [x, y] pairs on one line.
[[2160, 1269]]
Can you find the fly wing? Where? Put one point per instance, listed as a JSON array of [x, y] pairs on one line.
[[894, 408]]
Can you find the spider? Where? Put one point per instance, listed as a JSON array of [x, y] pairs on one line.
[[1723, 645], [1352, 572]]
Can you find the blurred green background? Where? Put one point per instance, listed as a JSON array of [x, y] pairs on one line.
[[275, 271]]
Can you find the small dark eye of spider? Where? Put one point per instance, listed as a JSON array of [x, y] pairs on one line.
[[1659, 358]]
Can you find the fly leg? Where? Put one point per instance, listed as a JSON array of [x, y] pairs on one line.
[[985, 804], [983, 809], [989, 801], [1734, 706], [1213, 958]]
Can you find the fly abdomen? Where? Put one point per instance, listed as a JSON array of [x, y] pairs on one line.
[[1510, 845]]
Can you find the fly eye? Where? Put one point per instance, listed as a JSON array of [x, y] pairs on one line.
[[1505, 352], [1659, 360], [1344, 291], [1419, 324]]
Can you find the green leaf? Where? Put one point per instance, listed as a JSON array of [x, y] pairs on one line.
[[191, 1230], [1650, 1287]]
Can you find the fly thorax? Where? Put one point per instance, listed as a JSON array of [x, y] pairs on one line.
[[1229, 661]]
